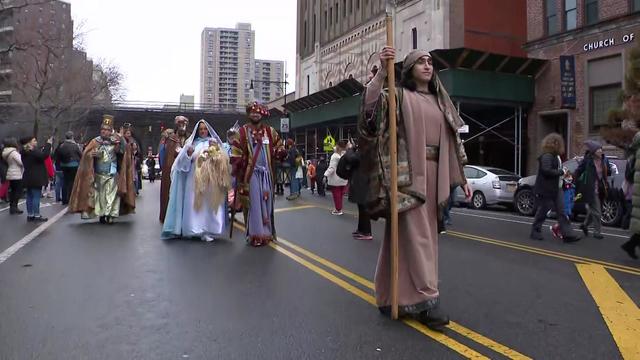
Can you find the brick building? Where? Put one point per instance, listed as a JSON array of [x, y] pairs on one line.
[[586, 43]]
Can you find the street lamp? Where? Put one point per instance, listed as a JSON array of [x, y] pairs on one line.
[[272, 82]]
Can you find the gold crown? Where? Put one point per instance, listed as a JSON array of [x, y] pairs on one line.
[[107, 120]]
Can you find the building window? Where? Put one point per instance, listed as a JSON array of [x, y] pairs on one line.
[[357, 4], [553, 25], [304, 35], [337, 13], [350, 6], [414, 38], [325, 19], [591, 11], [570, 14], [636, 5], [330, 15], [603, 99], [314, 28], [308, 85], [344, 8]]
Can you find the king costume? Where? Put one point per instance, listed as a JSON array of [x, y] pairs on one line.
[[253, 155], [199, 185], [104, 185]]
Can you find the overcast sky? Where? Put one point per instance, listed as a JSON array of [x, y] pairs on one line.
[[157, 43]]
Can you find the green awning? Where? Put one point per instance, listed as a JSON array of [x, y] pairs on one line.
[[491, 86], [340, 109]]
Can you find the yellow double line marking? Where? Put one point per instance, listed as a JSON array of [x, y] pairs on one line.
[[619, 312], [558, 255], [288, 248]]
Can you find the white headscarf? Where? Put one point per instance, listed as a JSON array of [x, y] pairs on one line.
[[189, 142]]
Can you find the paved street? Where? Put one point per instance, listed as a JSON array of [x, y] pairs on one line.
[[81, 290]]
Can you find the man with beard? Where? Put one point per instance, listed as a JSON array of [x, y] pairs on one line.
[[104, 183], [253, 155], [173, 144]]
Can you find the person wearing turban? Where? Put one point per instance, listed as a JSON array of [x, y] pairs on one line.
[[173, 143]]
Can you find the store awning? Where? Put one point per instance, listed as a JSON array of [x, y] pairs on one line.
[[346, 88], [470, 59]]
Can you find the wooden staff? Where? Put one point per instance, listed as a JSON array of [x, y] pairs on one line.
[[393, 154]]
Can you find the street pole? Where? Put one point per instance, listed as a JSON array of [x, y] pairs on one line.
[[393, 150]]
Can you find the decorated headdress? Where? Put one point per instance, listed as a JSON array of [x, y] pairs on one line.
[[107, 121], [255, 106]]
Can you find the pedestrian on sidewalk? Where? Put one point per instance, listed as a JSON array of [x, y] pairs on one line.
[[68, 155], [592, 174], [547, 190], [338, 184], [358, 190], [568, 194], [633, 188], [15, 171], [35, 174], [311, 172], [430, 161], [293, 158], [151, 167], [59, 176], [320, 179]]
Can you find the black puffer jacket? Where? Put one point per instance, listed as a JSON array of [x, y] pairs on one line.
[[35, 172], [548, 179]]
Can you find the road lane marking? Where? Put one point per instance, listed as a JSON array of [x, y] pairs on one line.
[[468, 333], [528, 223], [535, 250], [480, 339], [619, 312], [293, 208], [29, 237], [452, 344]]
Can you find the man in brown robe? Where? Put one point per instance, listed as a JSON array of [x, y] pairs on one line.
[[173, 144], [430, 160], [104, 183]]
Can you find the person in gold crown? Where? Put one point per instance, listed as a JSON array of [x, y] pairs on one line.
[[104, 184]]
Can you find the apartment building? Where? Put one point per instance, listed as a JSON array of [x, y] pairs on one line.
[[268, 80]]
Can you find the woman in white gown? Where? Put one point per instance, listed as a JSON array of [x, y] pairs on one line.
[[200, 180]]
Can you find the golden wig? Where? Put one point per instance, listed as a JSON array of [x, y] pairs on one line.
[[212, 177]]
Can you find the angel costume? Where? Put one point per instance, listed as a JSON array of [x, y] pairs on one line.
[[199, 186]]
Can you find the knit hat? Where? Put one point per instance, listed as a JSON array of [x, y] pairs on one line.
[[592, 146]]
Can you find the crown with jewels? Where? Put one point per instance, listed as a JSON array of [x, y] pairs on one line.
[[107, 121]]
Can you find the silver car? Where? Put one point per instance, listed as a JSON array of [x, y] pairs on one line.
[[490, 186]]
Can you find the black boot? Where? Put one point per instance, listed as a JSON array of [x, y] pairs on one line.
[[433, 320], [630, 246], [103, 219], [13, 210]]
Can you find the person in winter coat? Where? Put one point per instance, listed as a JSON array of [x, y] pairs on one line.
[[633, 188], [35, 175], [547, 190], [293, 158], [311, 172], [592, 176], [68, 155], [320, 170], [151, 167], [358, 188], [338, 184], [15, 171]]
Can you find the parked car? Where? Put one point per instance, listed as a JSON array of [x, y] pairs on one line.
[[490, 186], [145, 169], [612, 206]]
